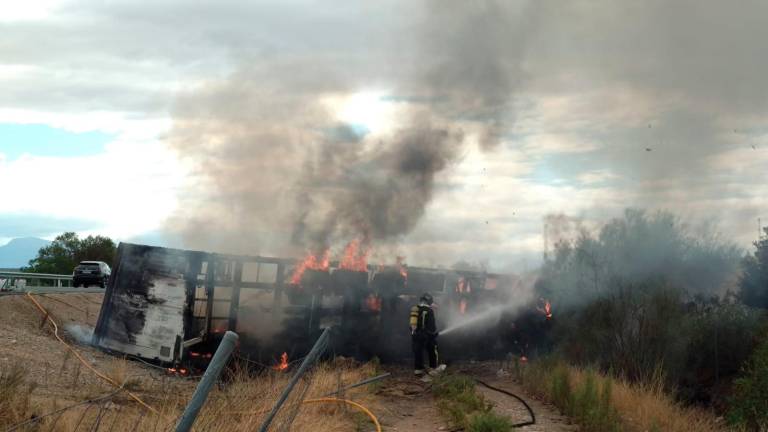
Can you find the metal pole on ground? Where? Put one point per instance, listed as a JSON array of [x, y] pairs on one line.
[[316, 350], [210, 377], [361, 383]]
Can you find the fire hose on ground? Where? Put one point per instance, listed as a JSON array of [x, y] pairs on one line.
[[508, 393], [77, 355], [145, 405]]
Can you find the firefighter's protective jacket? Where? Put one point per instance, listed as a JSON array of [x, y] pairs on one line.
[[423, 320]]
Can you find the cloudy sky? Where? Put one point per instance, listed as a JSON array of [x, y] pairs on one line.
[[255, 127]]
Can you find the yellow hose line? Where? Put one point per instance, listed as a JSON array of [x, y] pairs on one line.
[[82, 360], [349, 402], [319, 400]]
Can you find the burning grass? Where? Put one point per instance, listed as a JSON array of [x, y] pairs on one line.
[[238, 405], [602, 403]]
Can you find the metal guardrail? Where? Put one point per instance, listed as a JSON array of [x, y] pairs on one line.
[[51, 290], [13, 281]]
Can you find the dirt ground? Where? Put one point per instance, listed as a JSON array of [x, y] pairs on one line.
[[548, 417], [409, 405], [26, 339]]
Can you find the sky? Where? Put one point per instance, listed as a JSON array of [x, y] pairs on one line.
[[254, 127]]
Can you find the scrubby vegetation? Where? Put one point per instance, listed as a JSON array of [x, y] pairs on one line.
[[465, 408], [600, 402], [583, 395], [657, 307]]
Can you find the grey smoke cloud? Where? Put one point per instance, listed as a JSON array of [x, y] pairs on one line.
[[266, 138], [566, 91]]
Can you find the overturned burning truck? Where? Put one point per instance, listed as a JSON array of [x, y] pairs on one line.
[[172, 306]]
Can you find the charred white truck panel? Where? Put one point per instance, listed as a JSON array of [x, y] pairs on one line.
[[162, 309], [146, 307]]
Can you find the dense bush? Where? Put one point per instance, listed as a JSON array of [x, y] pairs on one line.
[[650, 296], [720, 337], [646, 329], [749, 404], [753, 284], [630, 331]]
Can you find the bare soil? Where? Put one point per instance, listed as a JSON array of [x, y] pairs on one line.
[[548, 418], [408, 404], [26, 339]]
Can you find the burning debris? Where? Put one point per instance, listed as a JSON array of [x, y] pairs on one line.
[[546, 308], [355, 257], [311, 262], [283, 365]]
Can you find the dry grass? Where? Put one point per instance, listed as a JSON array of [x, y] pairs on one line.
[[647, 407], [640, 407], [16, 391], [238, 405]]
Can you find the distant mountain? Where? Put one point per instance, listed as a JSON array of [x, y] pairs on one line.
[[18, 252]]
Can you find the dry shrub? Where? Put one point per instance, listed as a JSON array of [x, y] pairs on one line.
[[593, 398], [646, 407], [239, 403], [252, 398], [16, 394]]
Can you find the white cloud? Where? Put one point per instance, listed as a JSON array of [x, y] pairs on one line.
[[128, 190], [13, 10]]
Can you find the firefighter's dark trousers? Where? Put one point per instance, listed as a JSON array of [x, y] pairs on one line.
[[424, 342]]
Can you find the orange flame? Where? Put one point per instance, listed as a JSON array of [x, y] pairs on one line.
[[462, 306], [547, 309], [401, 267], [373, 302], [283, 362], [355, 257], [312, 262]]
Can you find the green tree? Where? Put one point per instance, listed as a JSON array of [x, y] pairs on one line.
[[63, 254], [753, 285]]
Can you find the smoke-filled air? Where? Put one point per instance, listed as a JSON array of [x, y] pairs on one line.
[[468, 205], [284, 173]]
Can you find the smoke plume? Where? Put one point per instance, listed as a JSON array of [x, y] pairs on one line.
[[277, 172]]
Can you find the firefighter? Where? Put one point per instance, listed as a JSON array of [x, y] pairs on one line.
[[424, 337]]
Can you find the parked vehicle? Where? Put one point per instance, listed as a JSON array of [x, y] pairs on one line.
[[91, 273]]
